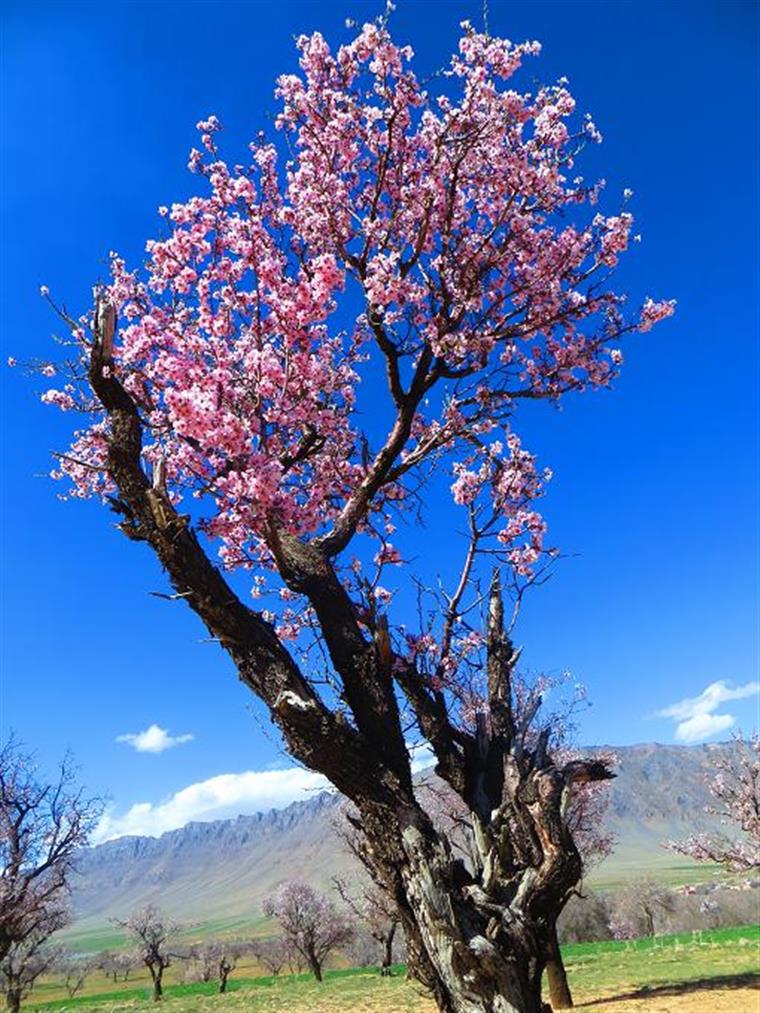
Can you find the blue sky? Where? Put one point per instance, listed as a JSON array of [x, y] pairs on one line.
[[655, 495]]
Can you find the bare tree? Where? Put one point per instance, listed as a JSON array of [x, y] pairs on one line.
[[309, 921], [42, 827], [374, 909], [153, 933], [227, 954], [217, 959], [274, 953], [22, 965], [74, 970], [117, 965], [735, 788], [201, 965], [638, 906]]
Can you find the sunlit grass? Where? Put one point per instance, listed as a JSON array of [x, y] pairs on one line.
[[618, 972]]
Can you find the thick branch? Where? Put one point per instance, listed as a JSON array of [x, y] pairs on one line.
[[314, 734]]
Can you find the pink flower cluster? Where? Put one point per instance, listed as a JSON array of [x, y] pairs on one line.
[[652, 312], [456, 219], [507, 479]]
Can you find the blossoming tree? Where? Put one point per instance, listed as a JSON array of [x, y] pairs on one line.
[[735, 788], [437, 246]]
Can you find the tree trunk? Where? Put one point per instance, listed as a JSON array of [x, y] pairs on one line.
[[157, 989], [385, 969], [479, 957], [560, 996], [13, 1000], [477, 937], [316, 967]]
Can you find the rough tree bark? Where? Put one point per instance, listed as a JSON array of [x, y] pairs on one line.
[[477, 937]]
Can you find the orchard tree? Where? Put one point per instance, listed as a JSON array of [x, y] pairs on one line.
[[375, 909], [637, 908], [42, 827], [218, 959], [314, 347], [22, 965], [273, 953], [152, 933], [735, 788], [43, 824], [74, 971], [117, 965], [309, 921]]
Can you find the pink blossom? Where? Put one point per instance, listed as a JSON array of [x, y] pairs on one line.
[[652, 312], [232, 340]]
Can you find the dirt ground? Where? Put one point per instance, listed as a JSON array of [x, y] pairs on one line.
[[743, 999]]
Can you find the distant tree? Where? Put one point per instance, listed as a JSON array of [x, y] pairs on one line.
[[74, 971], [309, 921], [273, 953], [638, 906], [153, 934], [585, 919], [735, 789], [117, 965], [22, 965], [200, 959], [227, 954], [375, 910], [42, 827], [217, 959]]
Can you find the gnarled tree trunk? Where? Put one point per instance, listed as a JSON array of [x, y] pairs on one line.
[[477, 936]]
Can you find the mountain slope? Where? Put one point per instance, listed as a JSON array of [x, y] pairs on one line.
[[222, 870]]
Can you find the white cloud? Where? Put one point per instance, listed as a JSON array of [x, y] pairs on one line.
[[153, 740], [421, 755], [219, 797], [225, 796], [695, 717]]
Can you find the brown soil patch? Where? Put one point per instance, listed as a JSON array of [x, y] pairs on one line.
[[679, 999], [739, 998]]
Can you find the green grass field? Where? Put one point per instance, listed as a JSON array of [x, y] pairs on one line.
[[709, 971], [77, 939]]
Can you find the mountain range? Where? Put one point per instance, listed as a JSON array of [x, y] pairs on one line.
[[220, 871]]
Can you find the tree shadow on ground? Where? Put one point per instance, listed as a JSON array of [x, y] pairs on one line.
[[680, 988]]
